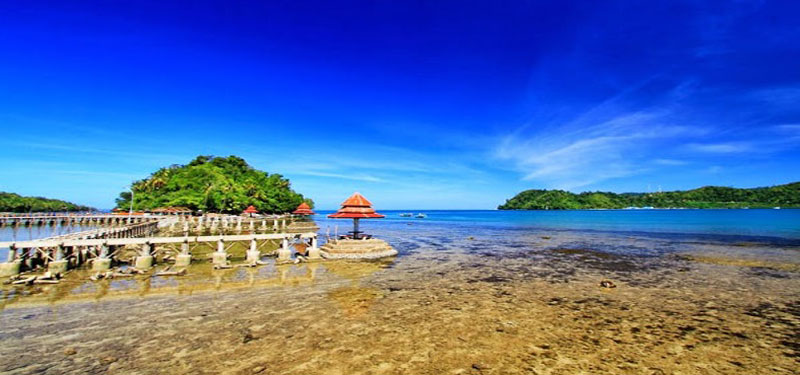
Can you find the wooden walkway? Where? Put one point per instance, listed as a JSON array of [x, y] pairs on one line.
[[79, 242], [63, 219], [100, 246]]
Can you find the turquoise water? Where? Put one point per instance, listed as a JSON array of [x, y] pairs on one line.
[[783, 223], [780, 227]]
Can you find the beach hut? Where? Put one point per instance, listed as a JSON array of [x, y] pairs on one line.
[[250, 210], [303, 209], [356, 207]]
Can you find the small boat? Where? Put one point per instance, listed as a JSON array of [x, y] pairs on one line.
[[776, 208], [406, 214], [421, 216]]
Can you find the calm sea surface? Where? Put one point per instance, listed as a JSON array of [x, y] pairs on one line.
[[734, 223], [768, 225], [36, 232]]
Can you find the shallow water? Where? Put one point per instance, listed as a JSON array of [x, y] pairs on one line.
[[462, 297], [26, 233]]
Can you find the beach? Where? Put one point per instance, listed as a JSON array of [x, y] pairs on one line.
[[463, 297]]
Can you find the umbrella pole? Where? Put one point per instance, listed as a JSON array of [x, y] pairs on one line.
[[355, 229]]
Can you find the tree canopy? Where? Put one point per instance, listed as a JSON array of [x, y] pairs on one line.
[[10, 202], [705, 197], [213, 184]]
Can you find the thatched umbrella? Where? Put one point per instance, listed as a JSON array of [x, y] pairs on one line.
[[356, 207], [250, 210], [303, 209]]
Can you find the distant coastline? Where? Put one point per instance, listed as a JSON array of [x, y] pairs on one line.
[[11, 202], [708, 197]]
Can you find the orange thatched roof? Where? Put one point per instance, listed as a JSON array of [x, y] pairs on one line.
[[356, 207], [250, 210], [303, 209]]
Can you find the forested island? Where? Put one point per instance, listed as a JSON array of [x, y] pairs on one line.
[[784, 196], [213, 184], [11, 202]]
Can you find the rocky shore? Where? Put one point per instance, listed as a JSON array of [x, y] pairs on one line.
[[464, 308]]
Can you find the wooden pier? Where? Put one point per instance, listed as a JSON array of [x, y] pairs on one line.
[[65, 219], [101, 246]]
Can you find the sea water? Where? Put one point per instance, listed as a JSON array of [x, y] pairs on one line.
[[34, 232], [511, 292], [736, 223]]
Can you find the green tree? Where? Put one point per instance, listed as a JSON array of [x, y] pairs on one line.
[[215, 184], [787, 196]]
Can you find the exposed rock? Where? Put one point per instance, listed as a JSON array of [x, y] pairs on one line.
[[607, 284], [108, 360]]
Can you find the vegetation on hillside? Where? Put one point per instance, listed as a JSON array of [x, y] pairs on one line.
[[705, 197], [10, 202], [213, 184]]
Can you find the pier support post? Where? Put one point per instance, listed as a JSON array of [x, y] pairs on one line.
[[313, 251], [220, 257], [253, 255], [59, 265], [102, 262], [145, 259], [184, 259], [11, 267], [284, 254]]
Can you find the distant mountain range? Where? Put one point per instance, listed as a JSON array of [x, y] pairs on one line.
[[784, 196]]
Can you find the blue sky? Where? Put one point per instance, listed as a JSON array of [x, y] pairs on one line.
[[415, 104]]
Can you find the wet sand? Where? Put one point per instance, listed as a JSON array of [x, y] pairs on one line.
[[456, 306]]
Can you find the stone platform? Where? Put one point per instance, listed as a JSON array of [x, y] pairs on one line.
[[358, 249], [302, 227]]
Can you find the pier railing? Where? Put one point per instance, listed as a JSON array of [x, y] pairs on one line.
[[100, 246]]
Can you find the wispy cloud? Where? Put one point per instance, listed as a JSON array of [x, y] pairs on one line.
[[605, 150], [790, 130], [779, 97], [670, 162], [720, 148], [126, 176], [365, 178], [58, 146]]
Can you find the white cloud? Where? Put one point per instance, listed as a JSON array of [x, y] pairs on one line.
[[720, 148], [670, 162], [584, 154], [366, 178]]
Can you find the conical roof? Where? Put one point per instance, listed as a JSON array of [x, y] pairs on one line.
[[356, 207], [303, 209], [250, 210]]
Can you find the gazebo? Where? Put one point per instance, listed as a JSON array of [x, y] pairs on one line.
[[303, 209], [250, 210], [356, 207], [357, 246]]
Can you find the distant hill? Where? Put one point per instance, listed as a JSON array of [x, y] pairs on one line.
[[785, 196], [213, 184], [10, 202]]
